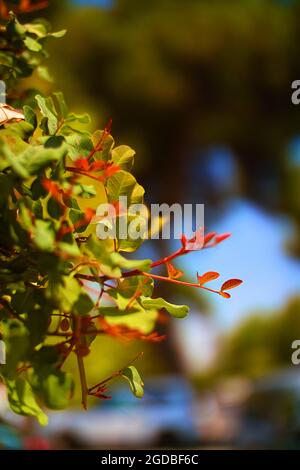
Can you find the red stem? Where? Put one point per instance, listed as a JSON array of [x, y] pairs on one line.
[[169, 258], [83, 173], [176, 281]]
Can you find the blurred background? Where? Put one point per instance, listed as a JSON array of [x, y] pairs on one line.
[[201, 89]]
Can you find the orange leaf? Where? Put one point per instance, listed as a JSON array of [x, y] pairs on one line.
[[207, 277], [231, 284], [208, 237], [225, 295], [82, 164], [173, 272], [220, 238]]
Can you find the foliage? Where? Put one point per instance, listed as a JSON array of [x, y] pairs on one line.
[[178, 77], [259, 345], [53, 174]]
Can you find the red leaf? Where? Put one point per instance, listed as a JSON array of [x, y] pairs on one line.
[[111, 170], [196, 242], [207, 277], [220, 238], [89, 214], [225, 294], [183, 240], [208, 237], [101, 393], [173, 272], [231, 284], [82, 164], [97, 165]]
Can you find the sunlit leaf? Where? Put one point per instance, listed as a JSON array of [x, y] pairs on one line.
[[173, 273], [207, 277], [135, 381], [231, 284], [178, 311]]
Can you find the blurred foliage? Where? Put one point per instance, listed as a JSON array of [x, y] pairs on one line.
[[260, 344], [51, 251], [48, 243], [176, 76]]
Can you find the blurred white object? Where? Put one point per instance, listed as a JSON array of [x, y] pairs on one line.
[[3, 399], [2, 352], [8, 114]]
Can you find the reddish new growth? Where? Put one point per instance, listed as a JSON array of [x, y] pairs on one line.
[[127, 334], [87, 167], [25, 6], [100, 392], [198, 242], [78, 340], [84, 168], [62, 198]]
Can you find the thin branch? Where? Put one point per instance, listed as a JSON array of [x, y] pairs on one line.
[[115, 374], [83, 382], [80, 363], [182, 283]]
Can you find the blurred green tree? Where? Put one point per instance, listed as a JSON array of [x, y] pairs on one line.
[[260, 344], [179, 76]]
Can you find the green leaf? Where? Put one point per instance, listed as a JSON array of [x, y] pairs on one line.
[[37, 323], [62, 106], [54, 142], [30, 116], [44, 74], [83, 305], [58, 34], [54, 208], [47, 109], [53, 386], [129, 245], [78, 145], [25, 216], [43, 235], [120, 184], [36, 28], [106, 146], [135, 381], [37, 189], [142, 320], [115, 311], [123, 156], [34, 159], [127, 288], [79, 118], [178, 311], [64, 293], [32, 44], [98, 249], [14, 162], [78, 220], [22, 401], [85, 191], [16, 338], [141, 265], [14, 28], [70, 249]]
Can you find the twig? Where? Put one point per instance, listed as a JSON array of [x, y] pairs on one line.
[[115, 374]]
